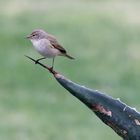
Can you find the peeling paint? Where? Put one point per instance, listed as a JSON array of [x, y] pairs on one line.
[[101, 109], [124, 108], [124, 132], [137, 122]]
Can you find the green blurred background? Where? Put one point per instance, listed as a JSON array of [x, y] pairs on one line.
[[103, 36]]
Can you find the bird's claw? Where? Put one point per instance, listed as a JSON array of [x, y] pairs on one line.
[[36, 61], [51, 68]]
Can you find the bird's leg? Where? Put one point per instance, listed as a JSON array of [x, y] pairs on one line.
[[39, 59], [52, 63]]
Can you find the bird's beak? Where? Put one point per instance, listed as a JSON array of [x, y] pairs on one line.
[[28, 37]]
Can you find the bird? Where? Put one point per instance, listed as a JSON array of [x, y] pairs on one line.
[[46, 45]]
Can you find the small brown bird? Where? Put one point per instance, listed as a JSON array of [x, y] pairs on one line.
[[47, 45]]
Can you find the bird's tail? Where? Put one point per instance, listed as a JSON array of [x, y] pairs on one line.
[[68, 56]]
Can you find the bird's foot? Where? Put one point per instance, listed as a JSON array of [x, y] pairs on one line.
[[36, 61], [51, 68]]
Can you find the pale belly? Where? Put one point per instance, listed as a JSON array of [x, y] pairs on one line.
[[45, 48]]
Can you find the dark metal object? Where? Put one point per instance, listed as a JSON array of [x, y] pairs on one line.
[[124, 120]]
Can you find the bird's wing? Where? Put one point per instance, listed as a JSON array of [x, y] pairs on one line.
[[55, 44]]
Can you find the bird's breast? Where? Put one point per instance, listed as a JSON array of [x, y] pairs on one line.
[[45, 48]]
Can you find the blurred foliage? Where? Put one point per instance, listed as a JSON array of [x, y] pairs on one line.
[[103, 36]]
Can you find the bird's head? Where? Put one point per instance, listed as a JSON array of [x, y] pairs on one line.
[[37, 34]]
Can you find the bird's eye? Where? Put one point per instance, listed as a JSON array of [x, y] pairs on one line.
[[33, 35]]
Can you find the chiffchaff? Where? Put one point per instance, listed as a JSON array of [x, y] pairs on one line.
[[47, 45]]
